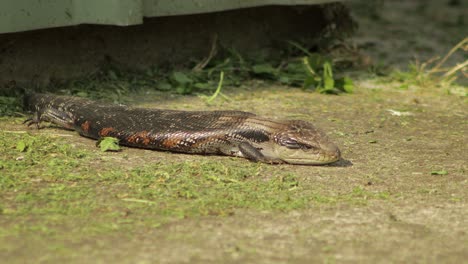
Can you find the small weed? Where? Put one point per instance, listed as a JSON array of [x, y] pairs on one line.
[[210, 99], [426, 74], [314, 72]]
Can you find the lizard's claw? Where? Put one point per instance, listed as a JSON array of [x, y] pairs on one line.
[[33, 121]]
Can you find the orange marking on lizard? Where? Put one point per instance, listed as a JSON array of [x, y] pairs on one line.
[[140, 137], [85, 126], [106, 131], [171, 142]]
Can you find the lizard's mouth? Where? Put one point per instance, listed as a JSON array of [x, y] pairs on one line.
[[319, 160], [304, 157]]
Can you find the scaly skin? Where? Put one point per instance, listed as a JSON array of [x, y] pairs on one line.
[[233, 133]]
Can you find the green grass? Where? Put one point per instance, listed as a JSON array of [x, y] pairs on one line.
[[48, 185]]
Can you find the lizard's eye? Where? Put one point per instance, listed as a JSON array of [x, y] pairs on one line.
[[291, 143]]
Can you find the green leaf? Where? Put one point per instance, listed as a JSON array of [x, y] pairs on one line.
[[109, 144], [21, 146], [263, 68], [183, 89], [300, 47], [285, 80], [202, 86], [440, 172], [181, 78], [348, 85], [328, 81], [311, 82], [82, 94], [311, 71], [164, 86], [317, 61], [112, 75], [345, 84], [295, 67]]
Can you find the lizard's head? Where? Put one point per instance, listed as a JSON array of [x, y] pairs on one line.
[[302, 143]]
